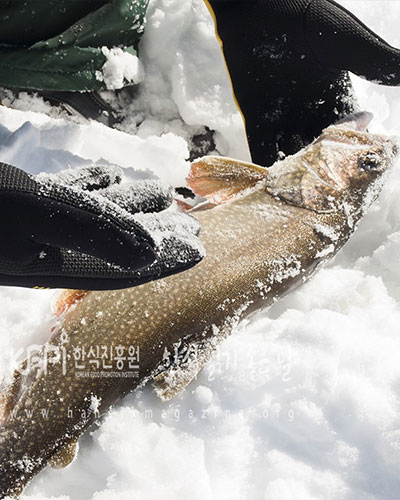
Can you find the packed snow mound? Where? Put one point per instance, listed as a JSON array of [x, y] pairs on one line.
[[303, 401], [120, 68], [36, 143]]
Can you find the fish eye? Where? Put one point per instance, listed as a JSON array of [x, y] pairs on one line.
[[369, 162]]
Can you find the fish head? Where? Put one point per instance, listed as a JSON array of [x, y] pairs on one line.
[[343, 168]]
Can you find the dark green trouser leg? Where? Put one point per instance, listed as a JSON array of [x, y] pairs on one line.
[[57, 44]]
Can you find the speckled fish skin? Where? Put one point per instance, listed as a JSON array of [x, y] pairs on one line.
[[259, 247]]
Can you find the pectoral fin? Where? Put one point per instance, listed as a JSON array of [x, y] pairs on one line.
[[174, 379], [67, 299], [220, 179], [65, 456], [172, 382]]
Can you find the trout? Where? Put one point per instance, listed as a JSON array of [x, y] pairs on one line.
[[265, 233]]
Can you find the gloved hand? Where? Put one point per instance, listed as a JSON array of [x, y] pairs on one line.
[[85, 229], [289, 62]]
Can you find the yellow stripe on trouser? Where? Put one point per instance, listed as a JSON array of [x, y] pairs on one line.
[[221, 43]]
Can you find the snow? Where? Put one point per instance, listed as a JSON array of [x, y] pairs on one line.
[[302, 402], [35, 142], [120, 68]]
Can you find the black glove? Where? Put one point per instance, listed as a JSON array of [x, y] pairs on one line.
[[85, 229], [288, 62]]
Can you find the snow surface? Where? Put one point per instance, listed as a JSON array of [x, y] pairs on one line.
[[120, 68], [302, 402]]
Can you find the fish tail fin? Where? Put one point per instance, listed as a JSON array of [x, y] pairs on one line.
[[219, 179]]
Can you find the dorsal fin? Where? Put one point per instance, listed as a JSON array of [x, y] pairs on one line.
[[174, 379], [65, 455], [219, 179]]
